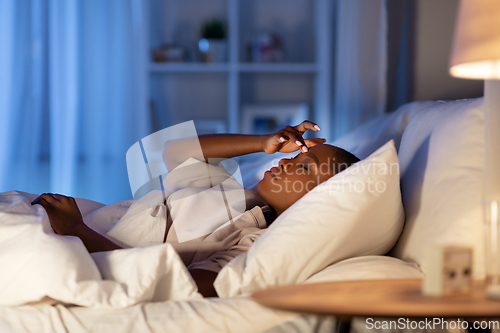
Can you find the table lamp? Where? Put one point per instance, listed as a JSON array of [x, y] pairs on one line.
[[476, 55]]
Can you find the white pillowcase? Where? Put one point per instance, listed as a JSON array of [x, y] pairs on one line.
[[368, 268], [367, 138], [357, 212], [442, 162]]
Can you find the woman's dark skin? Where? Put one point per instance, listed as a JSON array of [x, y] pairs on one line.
[[66, 219]]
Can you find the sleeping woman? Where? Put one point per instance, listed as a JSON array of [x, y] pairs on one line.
[[206, 255]]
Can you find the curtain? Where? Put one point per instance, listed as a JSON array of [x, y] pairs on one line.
[[71, 102], [401, 26], [360, 68]]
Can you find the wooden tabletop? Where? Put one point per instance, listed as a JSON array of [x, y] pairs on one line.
[[380, 298]]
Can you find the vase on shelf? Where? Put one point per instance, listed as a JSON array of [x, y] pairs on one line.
[[212, 50]]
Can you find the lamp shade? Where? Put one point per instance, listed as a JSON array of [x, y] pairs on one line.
[[476, 45]]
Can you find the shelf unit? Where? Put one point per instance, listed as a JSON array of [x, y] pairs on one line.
[[200, 91], [238, 67]]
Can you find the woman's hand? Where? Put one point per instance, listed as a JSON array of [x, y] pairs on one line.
[[290, 139], [64, 215], [66, 219]]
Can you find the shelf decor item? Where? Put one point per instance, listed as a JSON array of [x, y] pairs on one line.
[[213, 44], [266, 47], [169, 53], [269, 118]]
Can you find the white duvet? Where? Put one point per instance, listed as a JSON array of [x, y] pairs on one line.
[[37, 265]]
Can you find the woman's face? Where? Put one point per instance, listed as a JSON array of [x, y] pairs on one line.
[[283, 185]]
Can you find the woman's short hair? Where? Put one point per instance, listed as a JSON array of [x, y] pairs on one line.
[[343, 160]]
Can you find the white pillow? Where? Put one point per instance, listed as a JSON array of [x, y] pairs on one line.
[[442, 161], [368, 268], [356, 212], [365, 139]]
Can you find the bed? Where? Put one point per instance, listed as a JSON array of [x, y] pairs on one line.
[[440, 191]]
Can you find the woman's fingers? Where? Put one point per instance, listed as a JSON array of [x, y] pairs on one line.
[[280, 138], [295, 138], [40, 201], [314, 142], [290, 139], [47, 199], [299, 130], [305, 125], [277, 141], [59, 198], [300, 143]]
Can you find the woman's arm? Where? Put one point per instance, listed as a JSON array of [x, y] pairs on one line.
[[93, 241], [205, 281], [213, 146], [230, 145]]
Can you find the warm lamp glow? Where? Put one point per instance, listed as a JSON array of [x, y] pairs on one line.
[[486, 69], [476, 45]]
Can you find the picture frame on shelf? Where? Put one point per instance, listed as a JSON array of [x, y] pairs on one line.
[[268, 118]]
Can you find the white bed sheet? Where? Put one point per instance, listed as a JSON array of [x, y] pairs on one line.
[[239, 314], [236, 314]]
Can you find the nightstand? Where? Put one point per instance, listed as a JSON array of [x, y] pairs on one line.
[[377, 298]]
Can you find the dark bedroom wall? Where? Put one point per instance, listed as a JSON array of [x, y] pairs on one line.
[[434, 25]]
